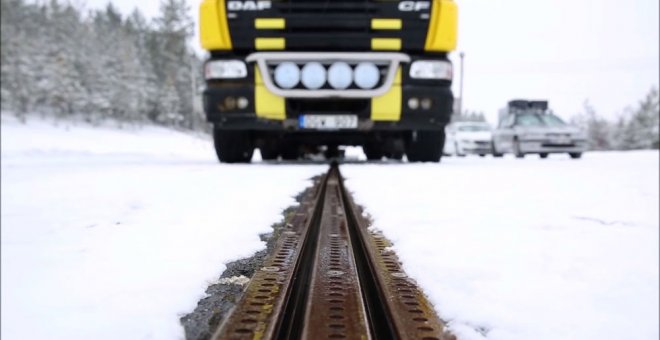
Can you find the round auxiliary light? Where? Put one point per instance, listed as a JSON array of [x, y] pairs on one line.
[[340, 75], [366, 75], [413, 103], [287, 75], [426, 103], [313, 75], [242, 102], [230, 103]]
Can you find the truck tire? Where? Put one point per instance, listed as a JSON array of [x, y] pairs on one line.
[[575, 155], [373, 152], [233, 146], [426, 147], [269, 152]]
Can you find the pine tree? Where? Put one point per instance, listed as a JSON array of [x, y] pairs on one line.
[[54, 59], [597, 129], [64, 90], [641, 128], [174, 27], [20, 38], [468, 116]]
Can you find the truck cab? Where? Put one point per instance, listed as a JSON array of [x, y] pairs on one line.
[[295, 76]]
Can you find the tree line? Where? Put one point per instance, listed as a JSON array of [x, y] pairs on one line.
[[637, 127], [62, 60]]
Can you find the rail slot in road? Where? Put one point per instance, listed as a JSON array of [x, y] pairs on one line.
[[329, 277]]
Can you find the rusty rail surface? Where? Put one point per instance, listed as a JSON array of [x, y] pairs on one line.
[[329, 277]]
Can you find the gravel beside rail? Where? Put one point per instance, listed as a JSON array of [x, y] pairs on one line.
[[223, 295]]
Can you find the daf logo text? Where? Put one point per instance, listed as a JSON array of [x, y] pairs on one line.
[[248, 5]]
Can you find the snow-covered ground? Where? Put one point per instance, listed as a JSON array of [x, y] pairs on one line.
[[113, 234], [526, 249]]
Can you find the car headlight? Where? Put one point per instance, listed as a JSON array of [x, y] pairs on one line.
[[431, 69], [225, 69]]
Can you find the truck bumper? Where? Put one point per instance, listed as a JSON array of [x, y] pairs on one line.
[[220, 105]]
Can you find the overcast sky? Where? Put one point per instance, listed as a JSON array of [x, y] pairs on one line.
[[565, 51]]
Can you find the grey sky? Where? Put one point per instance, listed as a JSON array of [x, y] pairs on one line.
[[606, 51]]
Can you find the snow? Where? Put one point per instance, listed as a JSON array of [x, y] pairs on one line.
[[526, 249], [115, 233]]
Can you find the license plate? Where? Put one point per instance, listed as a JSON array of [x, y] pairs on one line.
[[328, 122], [561, 140]]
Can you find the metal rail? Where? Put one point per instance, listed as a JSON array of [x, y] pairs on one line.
[[330, 277]]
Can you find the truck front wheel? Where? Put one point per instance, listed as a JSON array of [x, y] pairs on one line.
[[426, 146], [269, 150], [233, 146], [373, 151]]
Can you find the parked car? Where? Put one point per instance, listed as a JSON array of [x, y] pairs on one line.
[[532, 129], [468, 138]]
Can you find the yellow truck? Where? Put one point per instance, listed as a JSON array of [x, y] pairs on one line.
[[296, 76]]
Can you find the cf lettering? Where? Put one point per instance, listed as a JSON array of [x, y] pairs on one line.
[[414, 6]]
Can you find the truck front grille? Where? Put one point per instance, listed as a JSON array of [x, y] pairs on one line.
[[331, 25]]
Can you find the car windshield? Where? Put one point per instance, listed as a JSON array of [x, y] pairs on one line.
[[474, 128], [552, 120], [529, 119]]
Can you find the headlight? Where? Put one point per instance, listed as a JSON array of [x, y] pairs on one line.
[[225, 69], [431, 69]]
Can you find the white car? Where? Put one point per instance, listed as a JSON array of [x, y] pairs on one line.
[[528, 132], [464, 138]]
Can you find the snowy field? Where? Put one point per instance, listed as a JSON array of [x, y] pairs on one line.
[[526, 249], [114, 234], [110, 234]]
